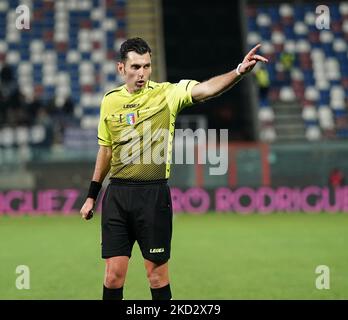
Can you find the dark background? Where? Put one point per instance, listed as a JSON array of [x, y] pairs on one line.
[[202, 41]]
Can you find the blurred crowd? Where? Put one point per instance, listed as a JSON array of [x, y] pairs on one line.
[[16, 110]]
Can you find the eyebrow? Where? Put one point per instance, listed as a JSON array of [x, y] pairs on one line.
[[139, 65]]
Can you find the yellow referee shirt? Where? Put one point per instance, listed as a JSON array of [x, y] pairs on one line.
[[140, 128]]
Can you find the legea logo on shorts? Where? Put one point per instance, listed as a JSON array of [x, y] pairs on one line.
[[157, 250]]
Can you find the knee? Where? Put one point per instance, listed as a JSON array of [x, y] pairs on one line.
[[154, 279], [114, 278], [157, 278]]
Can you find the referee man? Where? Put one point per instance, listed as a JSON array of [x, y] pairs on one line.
[[132, 147]]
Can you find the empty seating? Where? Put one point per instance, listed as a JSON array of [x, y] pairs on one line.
[[318, 75], [68, 51]]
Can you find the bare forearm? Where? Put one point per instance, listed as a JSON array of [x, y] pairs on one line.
[[102, 165], [215, 86], [219, 84]]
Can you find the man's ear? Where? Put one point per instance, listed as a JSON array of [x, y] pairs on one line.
[[120, 68]]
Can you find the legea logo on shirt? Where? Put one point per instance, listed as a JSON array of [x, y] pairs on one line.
[[131, 105], [130, 118]]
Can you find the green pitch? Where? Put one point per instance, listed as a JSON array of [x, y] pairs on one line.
[[214, 256]]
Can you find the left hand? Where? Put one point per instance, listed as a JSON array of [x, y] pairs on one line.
[[87, 209], [250, 60]]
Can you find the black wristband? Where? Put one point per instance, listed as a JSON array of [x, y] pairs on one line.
[[94, 189]]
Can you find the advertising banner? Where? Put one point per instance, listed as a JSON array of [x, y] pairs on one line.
[[243, 200]]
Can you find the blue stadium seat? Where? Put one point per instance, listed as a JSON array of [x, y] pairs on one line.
[[335, 82], [13, 4], [111, 77], [49, 45], [342, 133], [252, 26], [340, 113], [299, 12], [91, 111], [265, 33], [331, 44], [86, 56], [310, 123], [324, 98], [309, 7], [121, 24], [334, 12], [328, 50], [308, 78], [274, 14], [47, 27], [289, 32], [96, 24]]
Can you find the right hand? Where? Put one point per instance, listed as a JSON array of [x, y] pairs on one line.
[[87, 209], [250, 60]]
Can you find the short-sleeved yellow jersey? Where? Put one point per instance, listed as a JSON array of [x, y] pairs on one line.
[[139, 127]]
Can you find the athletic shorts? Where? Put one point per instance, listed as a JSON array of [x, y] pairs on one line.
[[137, 211]]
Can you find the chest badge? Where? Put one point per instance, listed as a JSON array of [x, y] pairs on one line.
[[130, 118]]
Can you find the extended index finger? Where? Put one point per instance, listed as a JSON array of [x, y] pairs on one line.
[[253, 50]]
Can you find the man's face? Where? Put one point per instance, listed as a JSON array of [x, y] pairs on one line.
[[136, 70]]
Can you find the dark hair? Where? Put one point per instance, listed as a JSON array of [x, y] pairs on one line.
[[138, 45]]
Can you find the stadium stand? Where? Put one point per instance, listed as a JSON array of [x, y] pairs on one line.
[[308, 71], [66, 57]]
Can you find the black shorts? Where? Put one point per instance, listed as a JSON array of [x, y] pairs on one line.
[[134, 211]]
